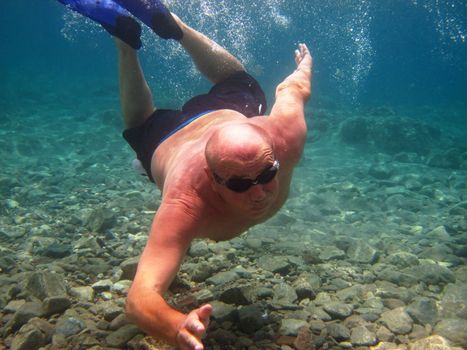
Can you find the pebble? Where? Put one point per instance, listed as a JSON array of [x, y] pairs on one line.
[[338, 310], [122, 335], [291, 327]]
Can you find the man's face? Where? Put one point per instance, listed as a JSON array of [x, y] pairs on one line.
[[250, 190]]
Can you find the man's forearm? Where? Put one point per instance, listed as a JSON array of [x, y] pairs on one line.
[[153, 315]]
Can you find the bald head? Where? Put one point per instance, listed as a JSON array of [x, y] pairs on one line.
[[238, 144]]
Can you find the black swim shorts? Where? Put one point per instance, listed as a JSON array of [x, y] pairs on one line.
[[239, 92]]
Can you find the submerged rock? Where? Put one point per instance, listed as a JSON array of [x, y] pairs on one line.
[[397, 320], [435, 342], [454, 301], [45, 284], [454, 329]]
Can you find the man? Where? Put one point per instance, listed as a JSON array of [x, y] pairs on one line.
[[222, 166]]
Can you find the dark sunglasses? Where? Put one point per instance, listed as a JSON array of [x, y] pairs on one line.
[[238, 184]]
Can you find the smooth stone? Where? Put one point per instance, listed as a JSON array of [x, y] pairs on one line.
[[57, 250], [236, 295], [454, 301], [86, 245], [122, 335], [102, 285], [68, 326], [199, 248], [14, 306], [55, 305], [453, 329], [397, 277], [254, 243], [291, 327], [250, 318], [223, 312], [303, 341], [275, 264], [284, 294], [338, 309], [101, 219], [338, 331], [434, 342], [201, 271], [331, 253], [122, 287], [361, 336], [303, 287], [129, 267], [397, 320], [431, 274], [361, 252], [28, 338], [26, 312], [118, 322], [423, 311], [110, 310], [84, 293], [223, 278], [45, 284]]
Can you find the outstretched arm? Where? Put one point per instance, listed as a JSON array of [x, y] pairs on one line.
[[287, 114], [168, 242]]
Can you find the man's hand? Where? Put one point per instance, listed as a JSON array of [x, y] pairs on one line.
[[193, 328]]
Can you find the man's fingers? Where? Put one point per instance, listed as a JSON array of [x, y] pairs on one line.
[[204, 312], [188, 341]]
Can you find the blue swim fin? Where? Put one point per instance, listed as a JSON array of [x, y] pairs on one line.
[[114, 18], [155, 15]]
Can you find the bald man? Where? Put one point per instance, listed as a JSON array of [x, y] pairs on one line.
[[222, 166]]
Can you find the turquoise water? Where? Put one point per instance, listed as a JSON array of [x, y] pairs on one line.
[[385, 162]]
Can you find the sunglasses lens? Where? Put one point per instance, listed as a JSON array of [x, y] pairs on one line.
[[267, 176], [239, 185]]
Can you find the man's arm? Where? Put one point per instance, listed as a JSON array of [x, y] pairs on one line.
[[287, 114], [169, 239]]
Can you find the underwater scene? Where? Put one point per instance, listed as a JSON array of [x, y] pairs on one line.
[[368, 252]]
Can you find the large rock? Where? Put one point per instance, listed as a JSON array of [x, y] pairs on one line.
[[101, 219], [431, 274], [454, 302], [361, 252], [284, 294], [291, 327], [45, 284], [275, 264], [28, 338], [122, 335], [454, 329], [397, 320], [129, 267], [423, 311], [361, 336], [222, 312], [435, 342], [338, 310], [26, 312], [250, 318]]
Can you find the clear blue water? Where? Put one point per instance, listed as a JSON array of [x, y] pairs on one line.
[[403, 53], [386, 160]]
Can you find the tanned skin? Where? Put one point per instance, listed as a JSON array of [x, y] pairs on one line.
[[193, 204]]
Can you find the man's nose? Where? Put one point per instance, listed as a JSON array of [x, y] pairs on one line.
[[257, 193]]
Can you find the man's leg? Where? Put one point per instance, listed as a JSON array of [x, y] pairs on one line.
[[135, 96], [211, 59]]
